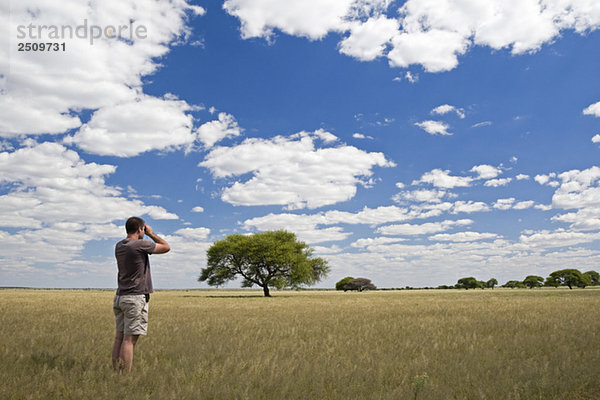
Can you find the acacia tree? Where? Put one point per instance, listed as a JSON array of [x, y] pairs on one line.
[[467, 283], [342, 282], [533, 281], [267, 259], [491, 283], [570, 278], [594, 277], [359, 284]]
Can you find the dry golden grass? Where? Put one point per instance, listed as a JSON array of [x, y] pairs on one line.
[[500, 344]]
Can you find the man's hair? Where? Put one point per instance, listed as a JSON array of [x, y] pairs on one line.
[[133, 224]]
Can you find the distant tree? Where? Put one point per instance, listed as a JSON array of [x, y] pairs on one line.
[[340, 284], [514, 285], [359, 284], [594, 277], [571, 277], [491, 283], [481, 285], [551, 282], [266, 259], [467, 283], [533, 281]]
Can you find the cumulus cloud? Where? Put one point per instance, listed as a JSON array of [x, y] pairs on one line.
[[105, 74], [463, 237], [497, 182], [558, 238], [593, 109], [421, 229], [504, 204], [431, 33], [469, 207], [197, 209], [434, 127], [546, 179], [128, 129], [485, 171], [212, 132], [368, 40], [286, 170], [447, 108], [51, 191], [596, 139], [521, 177], [423, 195], [442, 179]]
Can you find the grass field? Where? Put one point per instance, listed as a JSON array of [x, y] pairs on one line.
[[492, 344]]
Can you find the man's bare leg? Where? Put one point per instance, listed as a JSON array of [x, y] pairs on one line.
[[116, 351], [126, 353]]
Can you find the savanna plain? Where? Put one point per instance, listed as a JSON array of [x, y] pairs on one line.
[[214, 344]]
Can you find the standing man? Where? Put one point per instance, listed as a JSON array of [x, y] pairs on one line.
[[135, 285]]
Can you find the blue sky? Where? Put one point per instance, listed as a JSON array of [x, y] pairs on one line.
[[412, 143]]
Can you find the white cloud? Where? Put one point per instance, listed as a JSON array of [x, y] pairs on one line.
[[447, 108], [485, 171], [463, 237], [469, 207], [481, 124], [212, 132], [85, 76], [286, 170], [56, 202], [558, 238], [443, 179], [435, 49], [545, 179], [128, 129], [521, 177], [411, 78], [309, 18], [368, 40], [434, 127], [421, 229], [593, 109], [504, 204], [596, 139], [360, 243], [423, 195], [432, 33], [361, 136], [197, 209], [522, 205], [497, 182], [193, 233]]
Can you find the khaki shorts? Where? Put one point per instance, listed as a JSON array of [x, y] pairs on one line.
[[131, 314]]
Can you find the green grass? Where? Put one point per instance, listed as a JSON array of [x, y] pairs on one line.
[[500, 344]]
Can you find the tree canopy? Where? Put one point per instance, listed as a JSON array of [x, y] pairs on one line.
[[342, 282], [469, 283], [267, 259], [570, 278], [359, 284], [533, 281]]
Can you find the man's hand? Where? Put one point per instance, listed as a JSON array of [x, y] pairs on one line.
[[161, 245], [148, 230]]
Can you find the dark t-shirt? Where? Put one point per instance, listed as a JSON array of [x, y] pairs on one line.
[[134, 266]]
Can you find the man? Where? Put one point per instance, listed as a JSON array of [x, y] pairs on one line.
[[130, 304]]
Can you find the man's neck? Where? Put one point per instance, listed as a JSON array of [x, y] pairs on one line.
[[132, 237]]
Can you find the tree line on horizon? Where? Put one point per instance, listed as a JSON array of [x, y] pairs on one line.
[[565, 277]]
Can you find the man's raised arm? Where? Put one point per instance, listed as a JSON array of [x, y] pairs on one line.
[[161, 244]]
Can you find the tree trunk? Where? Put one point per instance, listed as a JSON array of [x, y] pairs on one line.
[[266, 290]]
